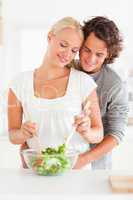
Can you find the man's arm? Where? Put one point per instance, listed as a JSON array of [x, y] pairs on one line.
[[107, 144], [116, 119], [114, 125]]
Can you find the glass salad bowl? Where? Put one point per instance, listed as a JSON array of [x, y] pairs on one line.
[[51, 161]]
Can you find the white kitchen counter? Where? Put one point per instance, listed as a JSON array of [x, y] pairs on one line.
[[17, 184]]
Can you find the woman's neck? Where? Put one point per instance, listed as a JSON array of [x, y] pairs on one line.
[[48, 71]]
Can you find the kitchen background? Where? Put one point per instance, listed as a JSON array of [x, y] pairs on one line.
[[23, 29]]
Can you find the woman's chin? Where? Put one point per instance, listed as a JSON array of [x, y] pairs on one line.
[[62, 64]]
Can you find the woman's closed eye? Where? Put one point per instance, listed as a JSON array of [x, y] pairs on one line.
[[63, 45], [75, 50]]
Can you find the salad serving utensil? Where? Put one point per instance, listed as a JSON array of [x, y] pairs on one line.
[[85, 107], [35, 138]]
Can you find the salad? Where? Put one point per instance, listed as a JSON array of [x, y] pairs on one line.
[[51, 161]]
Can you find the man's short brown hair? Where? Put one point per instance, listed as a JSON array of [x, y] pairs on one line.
[[106, 30]]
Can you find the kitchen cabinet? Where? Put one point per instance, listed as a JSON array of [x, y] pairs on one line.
[[17, 184], [9, 153]]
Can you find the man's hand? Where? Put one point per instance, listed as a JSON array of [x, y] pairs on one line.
[[82, 161]]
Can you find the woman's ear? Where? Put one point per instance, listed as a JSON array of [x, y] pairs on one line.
[[50, 34]]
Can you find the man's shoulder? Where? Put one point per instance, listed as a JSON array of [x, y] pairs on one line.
[[110, 77]]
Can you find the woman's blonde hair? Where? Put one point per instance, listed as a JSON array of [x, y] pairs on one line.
[[67, 22]]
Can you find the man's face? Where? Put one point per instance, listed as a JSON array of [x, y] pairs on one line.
[[93, 54]]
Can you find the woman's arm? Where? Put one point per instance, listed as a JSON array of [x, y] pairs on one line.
[[18, 132], [89, 125]]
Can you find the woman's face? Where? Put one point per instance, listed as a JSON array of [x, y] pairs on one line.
[[63, 46]]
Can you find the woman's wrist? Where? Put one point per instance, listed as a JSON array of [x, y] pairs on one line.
[[16, 136], [93, 135]]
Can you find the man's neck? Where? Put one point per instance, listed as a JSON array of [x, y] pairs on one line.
[[95, 75]]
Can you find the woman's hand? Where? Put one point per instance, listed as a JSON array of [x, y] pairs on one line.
[[28, 129], [82, 124]]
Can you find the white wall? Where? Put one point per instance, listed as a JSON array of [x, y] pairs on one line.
[[27, 23]]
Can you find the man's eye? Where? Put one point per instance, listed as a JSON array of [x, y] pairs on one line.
[[86, 50], [63, 45], [99, 55]]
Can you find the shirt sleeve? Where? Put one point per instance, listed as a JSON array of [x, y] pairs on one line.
[[87, 85], [117, 111], [17, 85]]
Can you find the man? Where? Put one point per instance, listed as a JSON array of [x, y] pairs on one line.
[[101, 46]]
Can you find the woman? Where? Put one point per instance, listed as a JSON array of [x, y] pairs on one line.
[[45, 102]]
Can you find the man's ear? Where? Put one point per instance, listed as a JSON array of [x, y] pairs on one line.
[[108, 56]]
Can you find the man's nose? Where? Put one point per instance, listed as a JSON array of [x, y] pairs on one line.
[[92, 58]]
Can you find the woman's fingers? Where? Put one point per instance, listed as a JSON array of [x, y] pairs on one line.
[[32, 131], [83, 127], [30, 124], [82, 124], [81, 119], [29, 129], [27, 134]]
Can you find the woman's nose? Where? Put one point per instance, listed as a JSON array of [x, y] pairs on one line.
[[67, 53]]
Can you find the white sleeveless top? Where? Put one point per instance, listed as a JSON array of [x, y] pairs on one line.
[[54, 117]]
